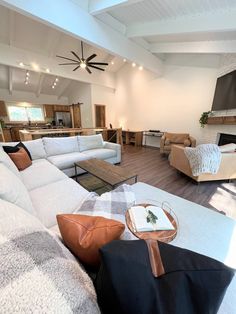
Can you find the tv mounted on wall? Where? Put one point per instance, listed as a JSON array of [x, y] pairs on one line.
[[225, 92]]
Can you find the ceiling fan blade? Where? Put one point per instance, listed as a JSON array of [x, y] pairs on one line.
[[67, 59], [76, 68], [75, 55], [93, 66], [88, 70], [98, 63], [69, 63], [91, 57]]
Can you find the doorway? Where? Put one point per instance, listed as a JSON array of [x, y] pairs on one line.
[[100, 116]]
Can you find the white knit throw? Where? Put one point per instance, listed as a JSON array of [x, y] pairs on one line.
[[205, 158]]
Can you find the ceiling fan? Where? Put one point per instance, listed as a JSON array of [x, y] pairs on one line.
[[81, 62]]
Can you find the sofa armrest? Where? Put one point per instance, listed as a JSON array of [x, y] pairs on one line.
[[193, 141], [116, 147], [179, 160]]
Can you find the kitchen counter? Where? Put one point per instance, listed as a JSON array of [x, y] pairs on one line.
[[27, 135]]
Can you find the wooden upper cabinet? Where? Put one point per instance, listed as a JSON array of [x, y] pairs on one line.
[[3, 109], [61, 108], [49, 111]]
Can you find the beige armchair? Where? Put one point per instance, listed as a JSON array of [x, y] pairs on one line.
[[227, 170], [169, 139]]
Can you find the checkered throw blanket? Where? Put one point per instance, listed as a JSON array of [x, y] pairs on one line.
[[37, 273], [112, 205]]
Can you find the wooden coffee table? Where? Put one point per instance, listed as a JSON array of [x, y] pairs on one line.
[[110, 174]]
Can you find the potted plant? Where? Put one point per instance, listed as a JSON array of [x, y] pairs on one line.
[[204, 117]]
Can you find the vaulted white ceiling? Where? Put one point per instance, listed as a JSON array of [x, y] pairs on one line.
[[143, 31]]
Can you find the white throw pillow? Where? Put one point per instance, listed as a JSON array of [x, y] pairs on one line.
[[228, 148], [36, 149], [61, 145], [90, 142], [13, 190], [6, 160]]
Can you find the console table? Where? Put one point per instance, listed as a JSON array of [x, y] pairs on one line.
[[132, 137]]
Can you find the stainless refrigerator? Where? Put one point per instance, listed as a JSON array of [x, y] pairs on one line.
[[63, 119]]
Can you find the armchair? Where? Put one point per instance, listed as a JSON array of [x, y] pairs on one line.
[[169, 139]]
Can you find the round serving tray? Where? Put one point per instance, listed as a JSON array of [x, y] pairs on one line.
[[163, 235]]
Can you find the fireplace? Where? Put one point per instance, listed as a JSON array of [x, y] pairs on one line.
[[223, 138]]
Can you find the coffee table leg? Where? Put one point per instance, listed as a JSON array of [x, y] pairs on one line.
[[136, 179], [76, 176]]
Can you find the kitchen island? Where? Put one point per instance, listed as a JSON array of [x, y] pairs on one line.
[[110, 135], [28, 135]]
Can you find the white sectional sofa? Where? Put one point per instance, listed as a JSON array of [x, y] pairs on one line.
[[44, 191], [63, 152]]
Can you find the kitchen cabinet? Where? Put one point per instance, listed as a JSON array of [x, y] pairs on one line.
[[7, 135], [49, 111], [3, 109], [61, 108], [15, 133]]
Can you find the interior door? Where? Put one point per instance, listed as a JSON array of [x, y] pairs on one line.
[[100, 116]]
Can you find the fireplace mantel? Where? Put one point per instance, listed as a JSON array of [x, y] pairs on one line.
[[222, 120]]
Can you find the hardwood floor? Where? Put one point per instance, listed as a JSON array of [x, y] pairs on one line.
[[154, 169]]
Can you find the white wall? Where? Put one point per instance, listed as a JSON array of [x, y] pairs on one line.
[[171, 103], [81, 92]]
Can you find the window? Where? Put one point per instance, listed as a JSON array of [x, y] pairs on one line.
[[20, 114]]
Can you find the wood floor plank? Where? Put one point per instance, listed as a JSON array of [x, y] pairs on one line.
[[154, 169]]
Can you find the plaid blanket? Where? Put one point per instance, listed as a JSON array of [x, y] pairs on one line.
[[37, 273], [112, 205]]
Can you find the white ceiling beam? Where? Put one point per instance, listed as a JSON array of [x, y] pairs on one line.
[[63, 88], [224, 46], [40, 84], [71, 19], [112, 22], [11, 27], [220, 21], [100, 6], [10, 80], [11, 56]]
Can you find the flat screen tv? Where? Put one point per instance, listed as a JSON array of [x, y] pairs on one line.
[[225, 92]]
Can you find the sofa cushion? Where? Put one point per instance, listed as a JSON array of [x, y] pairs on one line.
[[90, 142], [41, 173], [155, 277], [176, 137], [14, 149], [66, 161], [62, 197], [36, 149], [21, 159], [85, 235], [6, 160], [100, 153], [37, 272], [13, 190], [61, 145]]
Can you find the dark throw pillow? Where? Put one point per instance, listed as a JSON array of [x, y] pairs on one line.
[[15, 149], [134, 278]]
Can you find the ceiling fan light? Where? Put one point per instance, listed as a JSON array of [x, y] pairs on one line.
[[83, 65]]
